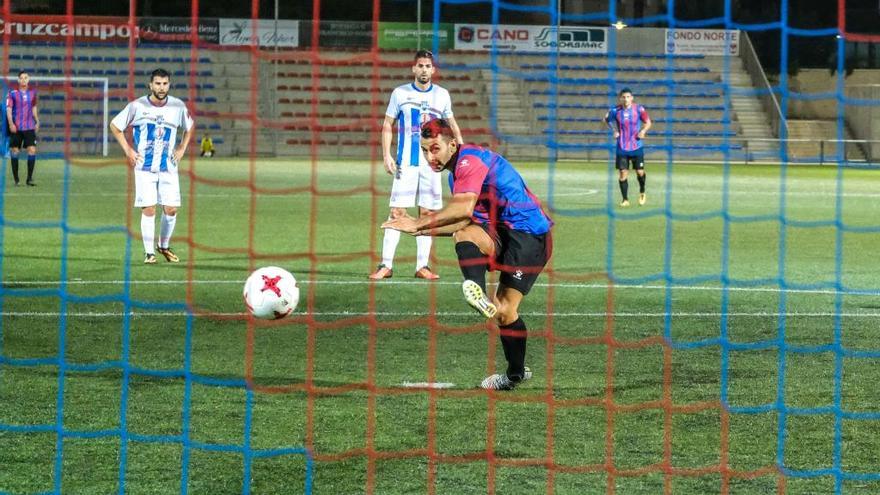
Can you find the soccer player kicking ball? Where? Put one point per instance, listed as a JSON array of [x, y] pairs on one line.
[[497, 224], [155, 119], [625, 120]]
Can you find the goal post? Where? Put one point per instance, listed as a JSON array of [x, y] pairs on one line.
[[49, 107]]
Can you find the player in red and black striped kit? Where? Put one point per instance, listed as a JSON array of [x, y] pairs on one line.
[[630, 122], [23, 122], [497, 224]]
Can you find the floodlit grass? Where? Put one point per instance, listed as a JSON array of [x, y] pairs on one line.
[[114, 372]]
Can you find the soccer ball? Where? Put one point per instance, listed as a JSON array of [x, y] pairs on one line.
[[271, 293]]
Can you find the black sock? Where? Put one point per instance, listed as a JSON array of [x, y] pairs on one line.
[[642, 179], [14, 161], [32, 161], [472, 262], [514, 345], [624, 188]]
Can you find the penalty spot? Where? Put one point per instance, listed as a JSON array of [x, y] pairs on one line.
[[427, 385]]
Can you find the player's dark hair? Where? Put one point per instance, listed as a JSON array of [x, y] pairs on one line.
[[22, 72], [624, 90], [437, 127], [159, 73], [424, 54]]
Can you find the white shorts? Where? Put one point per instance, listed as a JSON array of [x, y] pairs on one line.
[[418, 181], [152, 188]]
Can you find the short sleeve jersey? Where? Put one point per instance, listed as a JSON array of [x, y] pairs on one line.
[[628, 122], [411, 107], [504, 199], [154, 129], [22, 104]]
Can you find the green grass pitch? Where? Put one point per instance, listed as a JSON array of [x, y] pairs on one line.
[[609, 404]]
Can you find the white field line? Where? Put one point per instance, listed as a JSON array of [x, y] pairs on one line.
[[564, 285], [567, 314], [557, 192], [437, 385]]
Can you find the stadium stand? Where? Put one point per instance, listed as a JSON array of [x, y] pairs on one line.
[[531, 101]]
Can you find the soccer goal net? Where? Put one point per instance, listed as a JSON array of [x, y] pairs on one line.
[[74, 114], [707, 326]]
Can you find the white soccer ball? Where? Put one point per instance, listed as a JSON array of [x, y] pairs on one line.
[[271, 293]]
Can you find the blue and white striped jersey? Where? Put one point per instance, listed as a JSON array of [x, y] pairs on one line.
[[411, 107], [154, 129]]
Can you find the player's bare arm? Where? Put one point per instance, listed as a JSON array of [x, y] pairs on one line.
[[445, 230], [9, 120], [133, 157], [387, 157], [644, 129], [611, 126], [184, 142], [460, 208], [456, 130], [36, 118]]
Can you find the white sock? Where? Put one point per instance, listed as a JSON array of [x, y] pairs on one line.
[[166, 230], [389, 245], [148, 232], [423, 250]]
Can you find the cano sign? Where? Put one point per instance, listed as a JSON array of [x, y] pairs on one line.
[[240, 32], [702, 42], [568, 39]]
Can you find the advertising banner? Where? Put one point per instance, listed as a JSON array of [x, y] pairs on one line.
[[240, 32], [356, 34], [702, 42], [567, 39], [54, 28], [406, 35], [177, 29]]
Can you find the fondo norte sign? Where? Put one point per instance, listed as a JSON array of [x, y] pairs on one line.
[[572, 39]]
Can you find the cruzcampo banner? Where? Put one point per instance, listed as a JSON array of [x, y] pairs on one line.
[[406, 35]]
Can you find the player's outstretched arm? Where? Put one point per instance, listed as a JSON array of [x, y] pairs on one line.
[[460, 207], [445, 230]]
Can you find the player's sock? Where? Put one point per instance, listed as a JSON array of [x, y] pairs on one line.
[[514, 344], [13, 159], [32, 162], [148, 232], [472, 262], [642, 179], [423, 250], [624, 188], [167, 228], [389, 245]]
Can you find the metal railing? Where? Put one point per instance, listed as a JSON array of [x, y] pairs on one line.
[[759, 80]]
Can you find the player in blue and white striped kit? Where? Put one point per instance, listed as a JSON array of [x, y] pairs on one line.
[[155, 119], [626, 121], [411, 105]]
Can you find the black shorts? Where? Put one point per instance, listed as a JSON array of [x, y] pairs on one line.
[[637, 157], [520, 256], [28, 138]]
